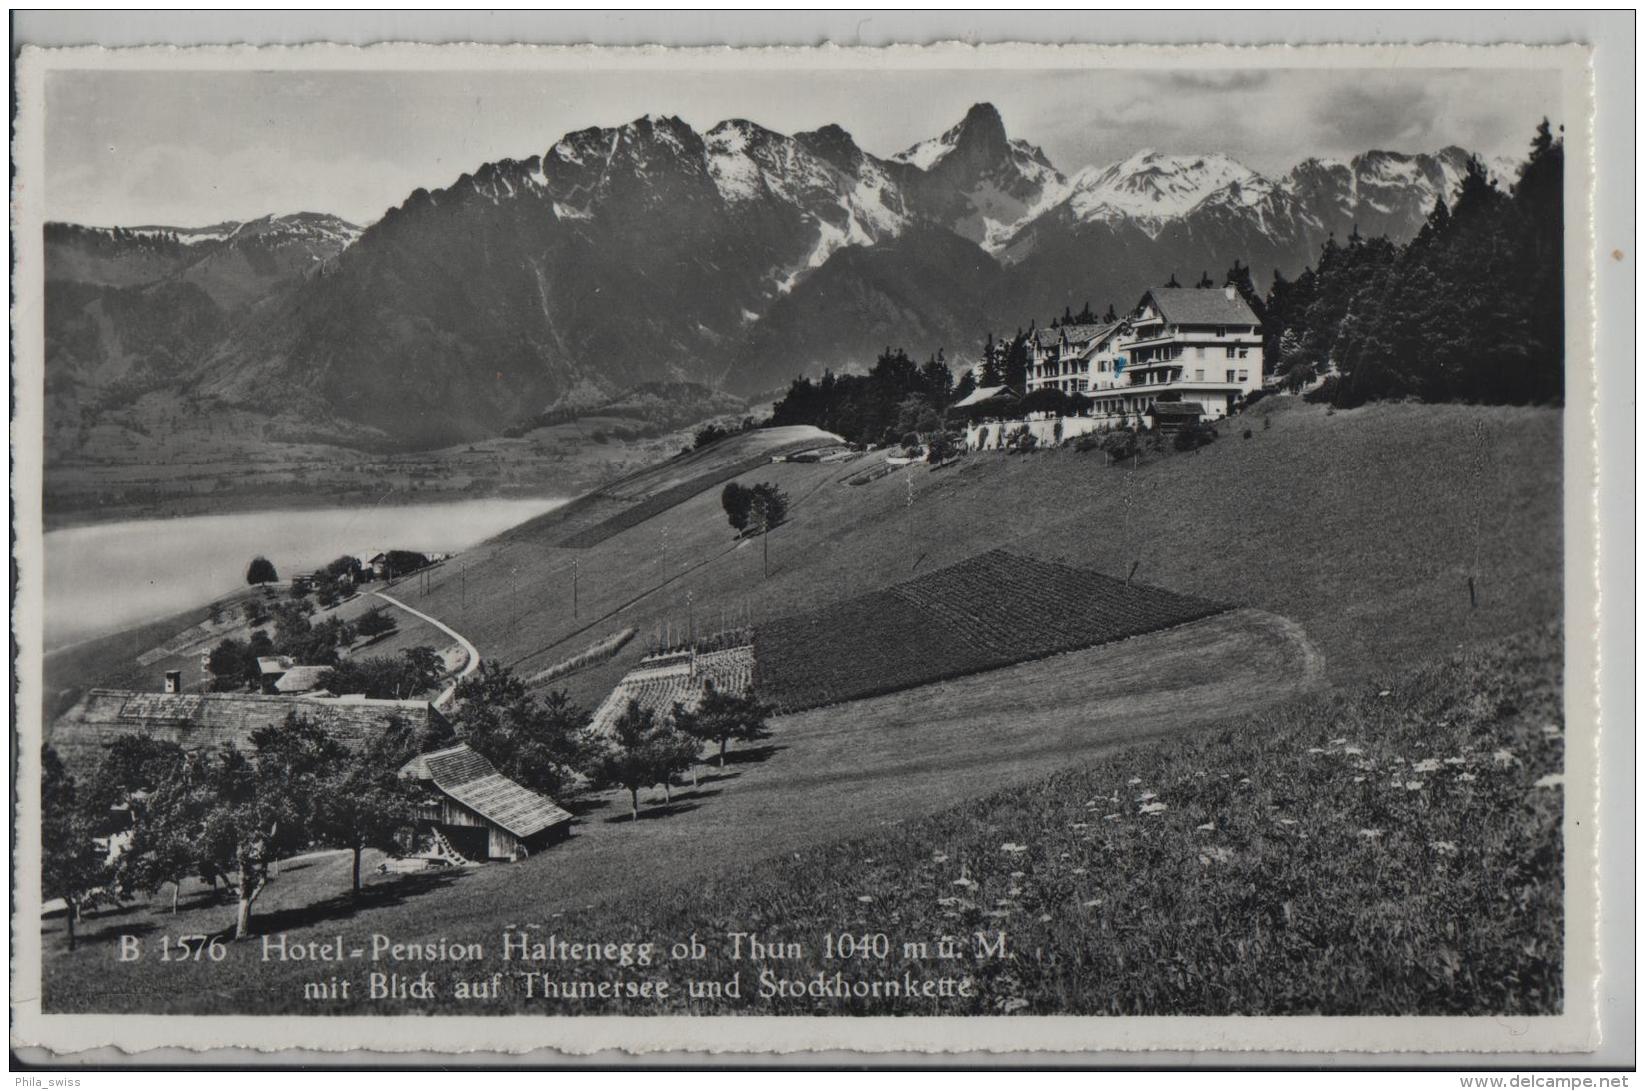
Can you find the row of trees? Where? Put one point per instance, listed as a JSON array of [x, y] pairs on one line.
[[227, 816], [1472, 309], [544, 743], [896, 398]]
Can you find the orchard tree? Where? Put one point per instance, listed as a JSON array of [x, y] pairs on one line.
[[636, 754], [71, 865], [264, 804], [721, 717], [673, 752], [540, 742], [363, 803], [166, 842]]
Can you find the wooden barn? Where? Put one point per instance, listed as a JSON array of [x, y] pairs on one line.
[[480, 813]]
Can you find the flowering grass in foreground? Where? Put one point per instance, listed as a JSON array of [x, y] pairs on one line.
[[1394, 850]]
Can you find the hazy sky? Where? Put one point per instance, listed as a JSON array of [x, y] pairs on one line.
[[192, 148]]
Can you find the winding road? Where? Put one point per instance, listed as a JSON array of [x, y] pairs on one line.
[[473, 664]]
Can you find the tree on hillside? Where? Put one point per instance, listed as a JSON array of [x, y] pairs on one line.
[[538, 742], [674, 752], [264, 804], [131, 766], [166, 840], [363, 803], [992, 363], [402, 562], [721, 717], [71, 865], [1014, 361], [1205, 280], [632, 757], [769, 506], [261, 570], [942, 446], [413, 671], [375, 622], [346, 567], [738, 503], [937, 381], [232, 665]]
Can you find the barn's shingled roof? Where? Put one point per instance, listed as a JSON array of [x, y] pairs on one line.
[[471, 780]]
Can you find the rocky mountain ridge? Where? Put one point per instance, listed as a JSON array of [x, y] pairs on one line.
[[649, 251]]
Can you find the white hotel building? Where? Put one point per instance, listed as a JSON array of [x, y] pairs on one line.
[[1189, 345]]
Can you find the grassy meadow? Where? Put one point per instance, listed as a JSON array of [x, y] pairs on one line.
[[1393, 848]]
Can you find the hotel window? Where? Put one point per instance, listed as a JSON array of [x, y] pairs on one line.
[[1199, 374], [1222, 331], [1245, 376], [1230, 350], [1230, 375], [1243, 353]]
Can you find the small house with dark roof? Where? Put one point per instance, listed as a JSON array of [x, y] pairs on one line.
[[987, 401], [1172, 416], [479, 812]]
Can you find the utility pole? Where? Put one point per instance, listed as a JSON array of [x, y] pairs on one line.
[[908, 479], [574, 588], [765, 537], [690, 619]]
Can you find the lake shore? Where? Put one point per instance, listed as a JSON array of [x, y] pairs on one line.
[[104, 577], [251, 503]]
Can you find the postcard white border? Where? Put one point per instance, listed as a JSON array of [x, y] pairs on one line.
[[1575, 1030]]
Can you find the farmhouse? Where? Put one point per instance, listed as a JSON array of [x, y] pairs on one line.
[[200, 721], [480, 813]]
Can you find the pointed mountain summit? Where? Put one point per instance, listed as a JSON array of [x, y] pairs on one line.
[[977, 181]]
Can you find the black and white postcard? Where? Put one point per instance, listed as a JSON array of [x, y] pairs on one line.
[[927, 548]]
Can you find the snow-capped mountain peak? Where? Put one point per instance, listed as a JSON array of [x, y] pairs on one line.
[[1153, 189]]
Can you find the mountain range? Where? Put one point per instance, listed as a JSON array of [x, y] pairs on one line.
[[738, 256]]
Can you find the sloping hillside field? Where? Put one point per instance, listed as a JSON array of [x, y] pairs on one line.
[[990, 611]]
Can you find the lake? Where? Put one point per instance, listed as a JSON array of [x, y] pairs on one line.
[[104, 578]]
